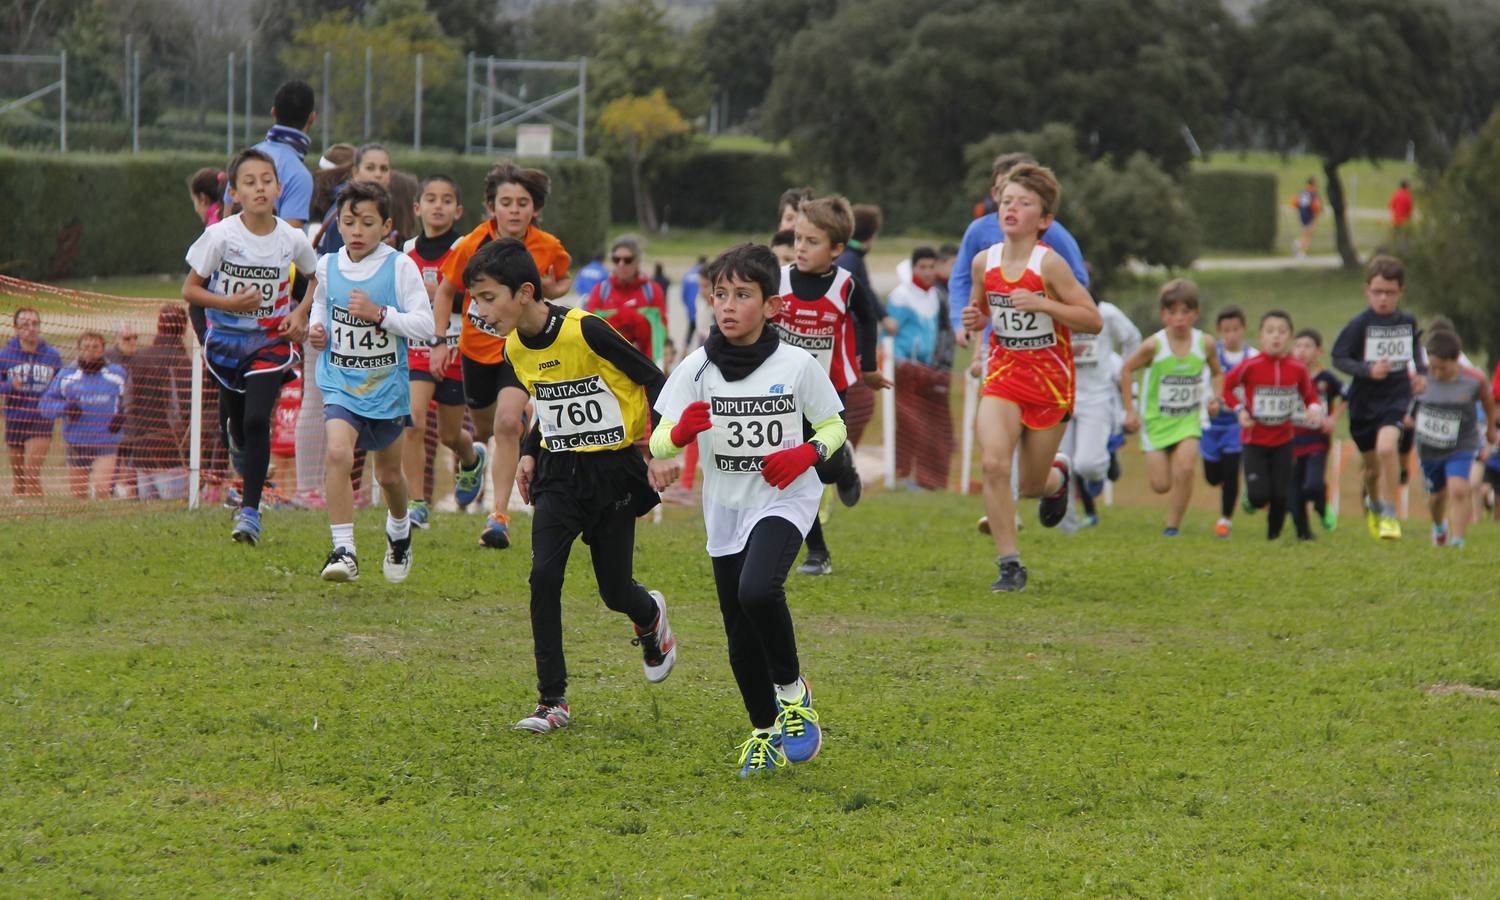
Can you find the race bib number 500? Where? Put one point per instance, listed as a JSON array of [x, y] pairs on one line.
[[746, 429], [1018, 330], [580, 413], [1390, 343]]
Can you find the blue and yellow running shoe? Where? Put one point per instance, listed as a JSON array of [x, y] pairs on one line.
[[801, 738], [762, 753], [470, 481]]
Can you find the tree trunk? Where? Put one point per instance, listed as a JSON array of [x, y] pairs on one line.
[[645, 213], [1347, 253]]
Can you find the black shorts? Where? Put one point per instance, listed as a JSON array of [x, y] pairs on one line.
[[81, 456], [1365, 429], [484, 381], [1492, 477], [449, 392]]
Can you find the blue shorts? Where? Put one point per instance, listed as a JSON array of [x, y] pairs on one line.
[[1437, 472], [19, 430], [1215, 442], [374, 434], [233, 356]]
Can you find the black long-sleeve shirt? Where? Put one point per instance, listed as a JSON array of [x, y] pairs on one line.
[[866, 313], [1371, 332], [609, 345]]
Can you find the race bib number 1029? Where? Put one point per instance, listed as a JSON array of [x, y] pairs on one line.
[[234, 278]]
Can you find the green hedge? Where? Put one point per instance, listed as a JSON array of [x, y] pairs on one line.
[[1236, 209], [80, 214], [108, 137], [733, 190]]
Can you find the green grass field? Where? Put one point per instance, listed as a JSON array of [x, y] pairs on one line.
[[183, 716]]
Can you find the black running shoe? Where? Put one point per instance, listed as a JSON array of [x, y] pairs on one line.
[[816, 563], [851, 488], [1054, 507], [1012, 578]]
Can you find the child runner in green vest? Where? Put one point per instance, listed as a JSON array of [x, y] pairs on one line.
[[1172, 407]]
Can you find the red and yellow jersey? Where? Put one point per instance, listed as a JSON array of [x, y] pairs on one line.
[[822, 326], [478, 340], [1031, 354], [431, 267]]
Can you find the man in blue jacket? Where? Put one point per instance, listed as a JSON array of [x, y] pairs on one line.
[[28, 365], [984, 232]]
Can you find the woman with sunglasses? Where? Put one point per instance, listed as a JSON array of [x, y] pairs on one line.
[[627, 288]]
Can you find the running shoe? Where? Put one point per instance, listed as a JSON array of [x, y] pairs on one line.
[[816, 563], [1053, 507], [496, 533], [851, 488], [469, 483], [1223, 528], [1330, 519], [801, 737], [418, 511], [397, 563], [1246, 505], [1372, 518], [659, 645], [550, 715], [1170, 532], [1390, 529], [1012, 578], [246, 526], [984, 524], [341, 566], [1439, 535], [825, 504], [762, 753]]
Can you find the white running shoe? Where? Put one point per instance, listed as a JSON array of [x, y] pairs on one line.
[[341, 566], [659, 646], [397, 559], [549, 716]]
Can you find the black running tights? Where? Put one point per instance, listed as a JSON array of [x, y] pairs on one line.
[[247, 423], [757, 622]]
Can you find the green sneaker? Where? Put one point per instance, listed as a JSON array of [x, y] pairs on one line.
[[1330, 519]]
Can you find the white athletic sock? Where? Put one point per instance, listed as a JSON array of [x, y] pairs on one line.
[[398, 529], [343, 536], [788, 693]]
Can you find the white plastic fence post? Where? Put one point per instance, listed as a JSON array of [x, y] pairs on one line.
[[195, 427], [971, 408], [888, 410]]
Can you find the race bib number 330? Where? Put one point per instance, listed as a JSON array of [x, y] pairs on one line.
[[746, 429], [579, 413]]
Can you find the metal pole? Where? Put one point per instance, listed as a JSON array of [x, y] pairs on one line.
[[229, 109], [469, 102], [489, 109], [135, 103], [126, 80], [327, 112], [369, 57], [62, 112], [416, 138], [583, 79], [249, 109]]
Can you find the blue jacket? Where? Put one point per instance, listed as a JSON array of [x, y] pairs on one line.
[[916, 334], [24, 377], [982, 234], [91, 404]]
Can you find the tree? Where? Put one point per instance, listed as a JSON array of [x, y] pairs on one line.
[[396, 31], [1350, 79], [1454, 269], [638, 126], [1118, 213], [637, 52], [740, 42]]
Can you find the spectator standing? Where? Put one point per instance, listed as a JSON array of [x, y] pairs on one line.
[[156, 420], [28, 365]]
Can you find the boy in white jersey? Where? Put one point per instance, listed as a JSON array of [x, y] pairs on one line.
[[1086, 440], [369, 303], [241, 273], [744, 398]]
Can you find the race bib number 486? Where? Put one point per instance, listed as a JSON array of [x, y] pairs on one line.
[[1017, 330], [1438, 427], [747, 429], [579, 413]]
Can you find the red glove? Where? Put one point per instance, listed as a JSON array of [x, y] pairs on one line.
[[784, 466], [694, 422]]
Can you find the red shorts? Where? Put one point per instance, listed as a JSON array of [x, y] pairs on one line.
[[417, 359], [1041, 386]]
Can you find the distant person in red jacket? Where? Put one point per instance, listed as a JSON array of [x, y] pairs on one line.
[[627, 288], [1401, 216]]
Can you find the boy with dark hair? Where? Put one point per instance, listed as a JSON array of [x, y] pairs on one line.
[[1310, 441], [1264, 391], [439, 206], [369, 304], [784, 245], [514, 196], [241, 274], [1220, 445], [580, 466], [747, 399], [818, 313], [1178, 360], [789, 205], [1444, 417], [286, 144], [90, 396], [1375, 348], [27, 366]]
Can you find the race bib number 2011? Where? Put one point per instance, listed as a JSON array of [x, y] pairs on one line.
[[1180, 395], [579, 413], [747, 429]]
